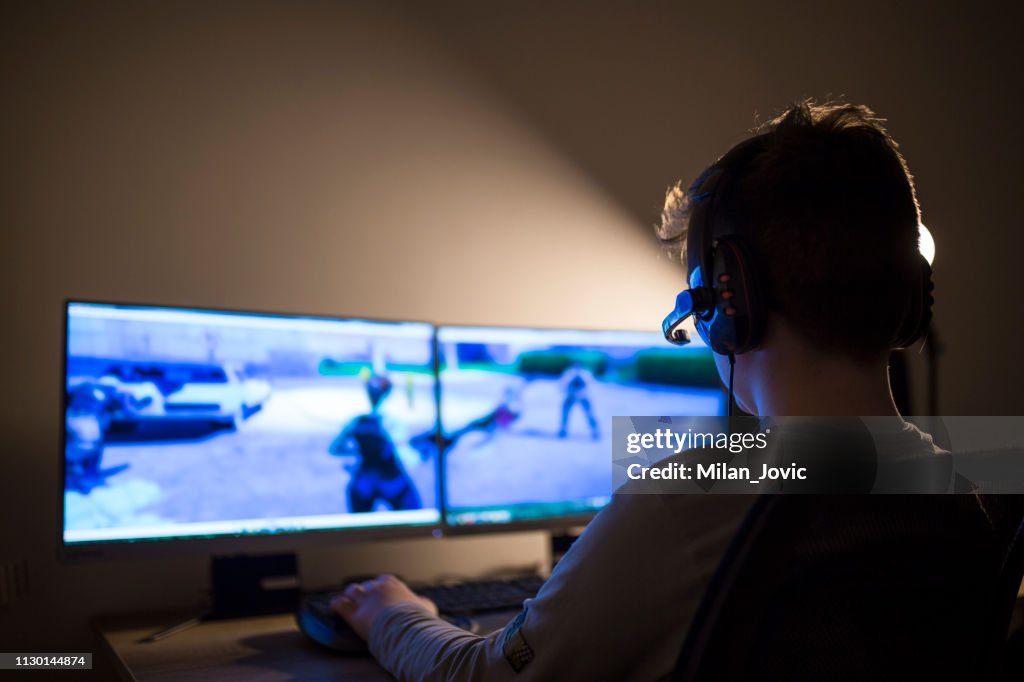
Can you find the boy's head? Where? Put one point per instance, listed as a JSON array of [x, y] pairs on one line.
[[827, 208]]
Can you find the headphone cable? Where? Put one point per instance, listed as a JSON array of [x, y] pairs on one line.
[[732, 368]]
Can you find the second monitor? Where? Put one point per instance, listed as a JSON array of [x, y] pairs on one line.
[[527, 415]]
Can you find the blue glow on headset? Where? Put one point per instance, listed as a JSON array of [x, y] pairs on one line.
[[695, 278]]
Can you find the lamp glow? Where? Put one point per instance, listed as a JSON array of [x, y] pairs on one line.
[[926, 243]]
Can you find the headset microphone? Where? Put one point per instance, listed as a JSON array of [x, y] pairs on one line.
[[688, 302]]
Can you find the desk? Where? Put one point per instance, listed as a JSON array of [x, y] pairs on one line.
[[267, 648], [263, 649]]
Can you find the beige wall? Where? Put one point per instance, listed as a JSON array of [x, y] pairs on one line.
[[330, 160], [445, 164]]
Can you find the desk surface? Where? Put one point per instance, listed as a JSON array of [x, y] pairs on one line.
[[263, 649], [267, 648]]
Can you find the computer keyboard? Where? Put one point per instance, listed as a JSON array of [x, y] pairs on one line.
[[457, 602], [474, 597]]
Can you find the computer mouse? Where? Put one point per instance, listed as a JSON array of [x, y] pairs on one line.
[[318, 621]]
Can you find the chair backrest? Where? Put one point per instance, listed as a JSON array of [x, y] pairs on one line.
[[876, 587]]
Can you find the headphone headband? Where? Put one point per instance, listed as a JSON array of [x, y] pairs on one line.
[[705, 195]]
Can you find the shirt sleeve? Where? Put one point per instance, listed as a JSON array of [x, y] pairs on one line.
[[616, 607], [413, 644]]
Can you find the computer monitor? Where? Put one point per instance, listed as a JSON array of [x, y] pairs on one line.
[[526, 416], [185, 424]]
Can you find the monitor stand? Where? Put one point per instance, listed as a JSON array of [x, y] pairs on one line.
[[561, 540], [253, 585], [244, 585]]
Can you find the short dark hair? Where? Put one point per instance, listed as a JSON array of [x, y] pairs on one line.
[[829, 210]]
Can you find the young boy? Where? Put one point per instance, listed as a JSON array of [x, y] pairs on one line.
[[828, 214]]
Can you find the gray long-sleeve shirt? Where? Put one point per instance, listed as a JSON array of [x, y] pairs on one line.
[[616, 607]]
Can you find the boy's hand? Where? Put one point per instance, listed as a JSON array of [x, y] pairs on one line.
[[361, 603]]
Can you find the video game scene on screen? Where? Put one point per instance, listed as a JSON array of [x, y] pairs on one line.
[[527, 413], [185, 421]]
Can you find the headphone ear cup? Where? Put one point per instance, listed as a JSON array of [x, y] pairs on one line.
[[703, 330], [737, 320], [919, 311]]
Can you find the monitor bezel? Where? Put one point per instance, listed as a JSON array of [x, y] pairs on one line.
[[554, 524], [232, 543]]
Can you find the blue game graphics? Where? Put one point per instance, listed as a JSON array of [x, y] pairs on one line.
[[182, 423], [526, 414], [187, 423]]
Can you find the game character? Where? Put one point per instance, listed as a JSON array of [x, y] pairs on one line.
[[576, 382], [91, 406], [379, 475], [501, 417]]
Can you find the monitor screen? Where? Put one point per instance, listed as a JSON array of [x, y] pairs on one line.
[[185, 423], [527, 414]]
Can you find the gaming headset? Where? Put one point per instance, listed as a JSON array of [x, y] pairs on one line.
[[724, 298]]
